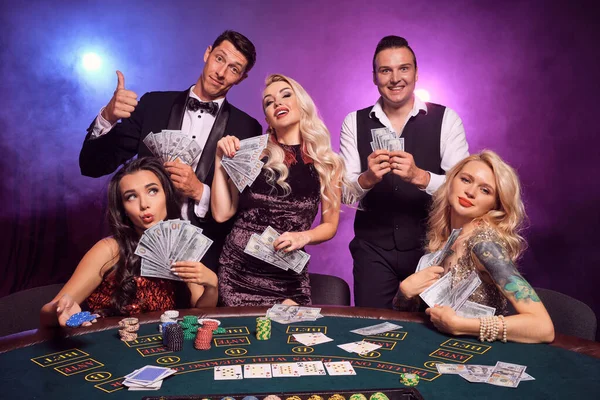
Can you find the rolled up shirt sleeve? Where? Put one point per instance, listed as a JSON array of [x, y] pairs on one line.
[[352, 192], [453, 147]]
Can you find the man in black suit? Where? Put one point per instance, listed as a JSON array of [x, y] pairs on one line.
[[201, 112]]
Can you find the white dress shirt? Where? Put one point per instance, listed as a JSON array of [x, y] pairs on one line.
[[197, 126], [453, 146]]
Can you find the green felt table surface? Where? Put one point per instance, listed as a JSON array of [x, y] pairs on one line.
[[91, 366]]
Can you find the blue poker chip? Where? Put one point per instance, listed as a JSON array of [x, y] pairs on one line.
[[250, 398], [79, 318]]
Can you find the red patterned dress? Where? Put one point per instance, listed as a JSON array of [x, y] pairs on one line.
[[152, 295]]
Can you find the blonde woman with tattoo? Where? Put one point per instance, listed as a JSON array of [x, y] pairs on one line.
[[482, 196]]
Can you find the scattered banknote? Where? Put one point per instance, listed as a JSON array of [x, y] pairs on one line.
[[169, 241], [376, 329], [444, 294], [245, 166], [285, 314], [169, 145], [502, 374], [506, 374], [385, 139], [261, 247]]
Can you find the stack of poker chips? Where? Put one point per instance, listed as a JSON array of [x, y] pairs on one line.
[[173, 337], [129, 328], [189, 326], [409, 379], [167, 316], [203, 338], [80, 318], [263, 328]]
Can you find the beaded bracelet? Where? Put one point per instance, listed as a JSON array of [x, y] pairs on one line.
[[504, 328]]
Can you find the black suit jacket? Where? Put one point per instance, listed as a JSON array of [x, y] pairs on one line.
[[164, 110]]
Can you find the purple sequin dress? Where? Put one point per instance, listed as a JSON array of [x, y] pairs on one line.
[[247, 281]]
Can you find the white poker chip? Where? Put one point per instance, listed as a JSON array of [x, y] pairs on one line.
[[202, 320], [173, 314]]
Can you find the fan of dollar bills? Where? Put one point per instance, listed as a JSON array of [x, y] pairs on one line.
[[384, 139], [245, 166], [172, 145], [261, 247], [167, 242]]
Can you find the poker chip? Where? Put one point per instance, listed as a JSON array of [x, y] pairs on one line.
[[219, 330], [293, 398], [409, 379], [201, 321], [203, 339], [378, 396], [263, 328], [173, 314], [190, 320], [79, 318], [336, 397], [129, 321], [358, 396], [227, 398], [129, 328], [272, 397], [173, 337], [315, 397], [250, 398]]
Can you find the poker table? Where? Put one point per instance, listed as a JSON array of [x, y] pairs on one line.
[[90, 362]]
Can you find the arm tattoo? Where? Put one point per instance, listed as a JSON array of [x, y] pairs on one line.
[[502, 270]]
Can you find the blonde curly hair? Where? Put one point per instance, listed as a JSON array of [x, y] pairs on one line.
[[316, 145], [506, 218]]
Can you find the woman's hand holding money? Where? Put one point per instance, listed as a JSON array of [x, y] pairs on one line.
[[444, 319], [416, 283], [290, 241], [227, 146], [195, 272]]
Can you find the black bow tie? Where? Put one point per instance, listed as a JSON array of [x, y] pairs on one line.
[[210, 107]]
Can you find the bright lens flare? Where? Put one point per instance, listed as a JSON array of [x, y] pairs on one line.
[[91, 61], [423, 94]]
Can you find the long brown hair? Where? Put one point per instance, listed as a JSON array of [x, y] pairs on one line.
[[123, 231]]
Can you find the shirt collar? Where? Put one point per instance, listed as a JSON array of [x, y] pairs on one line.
[[418, 105], [194, 95]]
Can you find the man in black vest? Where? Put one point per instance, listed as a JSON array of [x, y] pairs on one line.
[[201, 112], [394, 187]]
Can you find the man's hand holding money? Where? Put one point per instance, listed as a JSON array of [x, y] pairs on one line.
[[403, 165], [378, 162], [185, 180]]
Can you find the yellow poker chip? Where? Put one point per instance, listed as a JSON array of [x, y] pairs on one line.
[[378, 396], [358, 396], [293, 398], [336, 397], [316, 397]]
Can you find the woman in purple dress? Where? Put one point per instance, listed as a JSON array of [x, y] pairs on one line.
[[300, 173]]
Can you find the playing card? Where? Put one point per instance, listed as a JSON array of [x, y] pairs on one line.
[[257, 371], [359, 347], [311, 339], [285, 370], [229, 372], [340, 368], [310, 368]]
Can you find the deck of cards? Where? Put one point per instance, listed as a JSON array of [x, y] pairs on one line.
[[385, 139], [173, 146], [261, 247], [245, 166], [502, 374], [149, 377], [169, 241]]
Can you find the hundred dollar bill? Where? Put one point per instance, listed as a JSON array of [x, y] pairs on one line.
[[438, 292], [447, 249], [395, 144], [506, 374], [257, 249], [452, 369], [375, 329], [475, 310], [461, 292]]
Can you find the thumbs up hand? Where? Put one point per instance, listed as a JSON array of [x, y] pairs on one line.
[[122, 103]]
